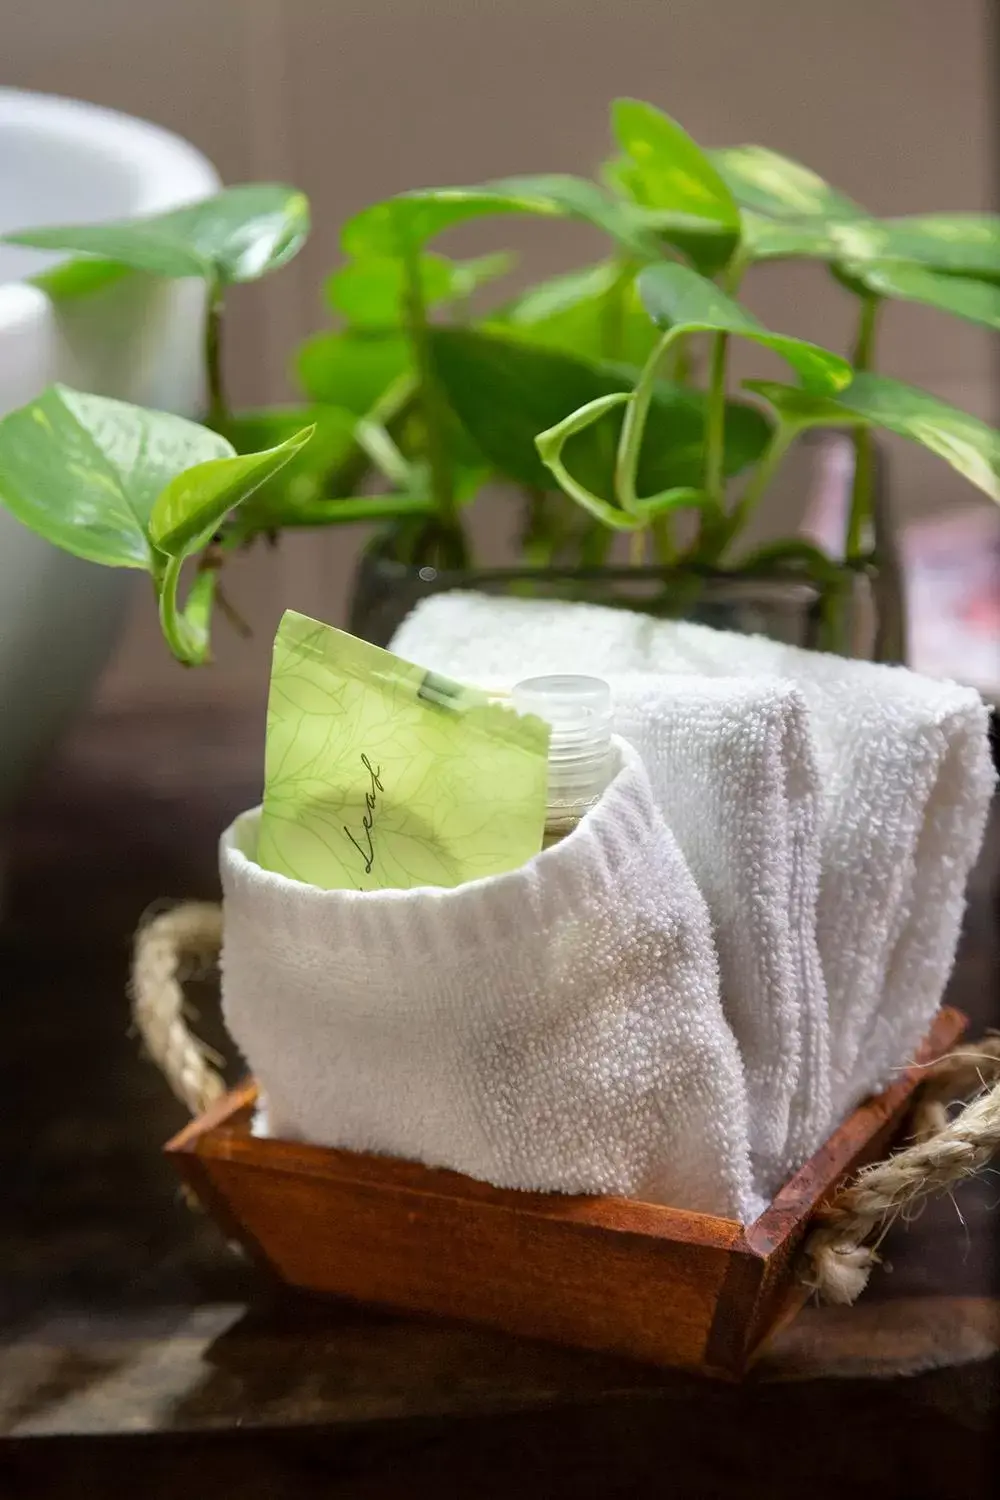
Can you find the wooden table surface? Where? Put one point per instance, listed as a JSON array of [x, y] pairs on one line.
[[135, 1346]]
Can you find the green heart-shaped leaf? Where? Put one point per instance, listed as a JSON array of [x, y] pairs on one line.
[[593, 312], [237, 235], [411, 219], [304, 480], [966, 244], [506, 392], [131, 488], [383, 229], [963, 441], [959, 244], [680, 300], [707, 245], [192, 506], [579, 198], [668, 172], [352, 369], [779, 239], [85, 471], [963, 296], [371, 293], [674, 170], [561, 294], [772, 184]]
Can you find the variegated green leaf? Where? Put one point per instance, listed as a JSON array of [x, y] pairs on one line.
[[962, 440]]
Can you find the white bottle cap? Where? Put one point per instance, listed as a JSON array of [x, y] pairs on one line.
[[578, 710]]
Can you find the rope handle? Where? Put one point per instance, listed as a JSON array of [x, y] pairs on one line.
[[170, 947], [837, 1256]]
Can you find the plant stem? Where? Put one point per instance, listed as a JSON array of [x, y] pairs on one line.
[[394, 400], [864, 343], [715, 406], [663, 541], [715, 419], [342, 512], [232, 614], [680, 370], [887, 582], [861, 490], [218, 409], [442, 487], [171, 621], [376, 442], [390, 410], [734, 272], [751, 496], [864, 449], [634, 425]]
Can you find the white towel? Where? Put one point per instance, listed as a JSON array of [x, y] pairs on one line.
[[732, 769], [558, 1027], [906, 781]]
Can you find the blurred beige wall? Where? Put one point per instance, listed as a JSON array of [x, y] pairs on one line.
[[355, 99]]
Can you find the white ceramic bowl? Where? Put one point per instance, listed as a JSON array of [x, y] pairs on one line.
[[139, 339]]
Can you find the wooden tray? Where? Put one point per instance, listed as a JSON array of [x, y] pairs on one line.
[[659, 1284]]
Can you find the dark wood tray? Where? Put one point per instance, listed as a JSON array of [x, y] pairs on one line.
[[659, 1284]]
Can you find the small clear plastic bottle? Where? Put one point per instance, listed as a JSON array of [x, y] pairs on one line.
[[578, 710]]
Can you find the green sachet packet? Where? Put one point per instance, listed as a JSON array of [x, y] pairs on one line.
[[380, 775]]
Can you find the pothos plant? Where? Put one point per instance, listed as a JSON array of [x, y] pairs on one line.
[[581, 393]]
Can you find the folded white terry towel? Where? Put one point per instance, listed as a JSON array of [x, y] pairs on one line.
[[732, 769], [558, 1027], [906, 781]]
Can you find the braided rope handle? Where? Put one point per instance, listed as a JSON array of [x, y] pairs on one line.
[[837, 1258], [170, 947]]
